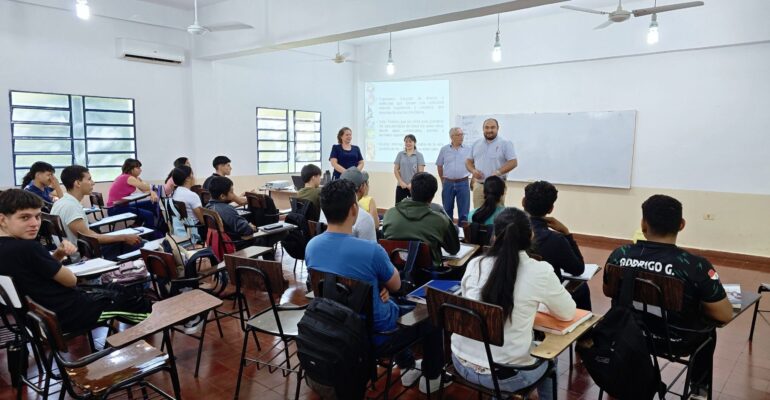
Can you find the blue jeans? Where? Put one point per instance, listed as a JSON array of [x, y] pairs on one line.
[[520, 380], [144, 210], [462, 192]]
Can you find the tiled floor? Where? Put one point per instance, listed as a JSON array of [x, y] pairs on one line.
[[741, 369]]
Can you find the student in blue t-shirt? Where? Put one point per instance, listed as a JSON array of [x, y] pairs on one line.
[[41, 181], [337, 251]]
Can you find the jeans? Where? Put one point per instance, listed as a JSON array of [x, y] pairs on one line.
[[462, 192], [432, 347], [144, 210], [401, 194], [521, 380]]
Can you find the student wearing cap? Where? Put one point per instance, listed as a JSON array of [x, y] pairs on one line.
[[363, 228]]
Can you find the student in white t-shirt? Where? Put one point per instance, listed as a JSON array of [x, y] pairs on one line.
[[505, 276], [184, 180]]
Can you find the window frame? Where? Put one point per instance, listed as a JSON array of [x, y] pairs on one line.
[[70, 109], [290, 141]]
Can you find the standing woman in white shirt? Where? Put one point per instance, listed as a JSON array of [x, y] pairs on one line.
[[507, 277]]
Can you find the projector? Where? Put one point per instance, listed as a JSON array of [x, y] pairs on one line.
[[278, 185]]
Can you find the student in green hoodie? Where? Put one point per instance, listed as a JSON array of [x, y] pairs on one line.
[[413, 219]]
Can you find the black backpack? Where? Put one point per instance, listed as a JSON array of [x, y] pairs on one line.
[[333, 344], [620, 359], [296, 240]]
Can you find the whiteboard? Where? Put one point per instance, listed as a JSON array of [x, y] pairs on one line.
[[579, 148]]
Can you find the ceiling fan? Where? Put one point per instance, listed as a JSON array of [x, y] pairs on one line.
[[340, 58], [198, 29], [620, 15]]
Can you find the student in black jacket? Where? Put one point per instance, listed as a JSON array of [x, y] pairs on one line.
[[553, 240]]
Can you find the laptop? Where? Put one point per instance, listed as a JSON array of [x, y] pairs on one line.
[[298, 184]]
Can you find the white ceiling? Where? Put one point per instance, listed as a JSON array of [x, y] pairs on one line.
[[183, 4]]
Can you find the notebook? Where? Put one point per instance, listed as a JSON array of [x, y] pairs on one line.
[[92, 266], [588, 273], [733, 291], [545, 322], [464, 250], [418, 295]]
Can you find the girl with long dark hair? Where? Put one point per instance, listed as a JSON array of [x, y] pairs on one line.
[[494, 192], [508, 277]]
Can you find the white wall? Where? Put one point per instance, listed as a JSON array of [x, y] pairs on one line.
[[50, 50], [227, 94]]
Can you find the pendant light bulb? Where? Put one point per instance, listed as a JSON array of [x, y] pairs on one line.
[[390, 67], [82, 9], [652, 34], [497, 50]]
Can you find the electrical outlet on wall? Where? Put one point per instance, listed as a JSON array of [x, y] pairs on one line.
[[709, 216]]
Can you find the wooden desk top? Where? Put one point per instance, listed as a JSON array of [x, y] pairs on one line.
[[419, 314], [553, 345], [748, 299], [460, 262], [285, 228], [166, 314]]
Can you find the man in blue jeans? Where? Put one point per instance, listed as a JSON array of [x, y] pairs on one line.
[[454, 176], [338, 252]]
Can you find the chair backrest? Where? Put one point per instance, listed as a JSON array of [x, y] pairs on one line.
[[476, 233], [469, 318], [653, 289], [262, 209], [205, 196], [196, 189], [48, 233], [398, 251], [97, 199], [159, 263], [56, 226], [181, 208], [212, 220], [272, 270], [88, 246], [46, 326], [9, 294]]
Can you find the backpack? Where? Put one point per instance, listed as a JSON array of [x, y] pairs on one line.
[[296, 240], [620, 360], [333, 344]]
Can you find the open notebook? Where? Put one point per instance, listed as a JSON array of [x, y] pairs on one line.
[[545, 322], [92, 266], [464, 250], [733, 291], [418, 295], [588, 273]]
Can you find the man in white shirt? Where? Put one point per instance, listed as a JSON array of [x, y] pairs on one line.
[[489, 156], [363, 228], [77, 180]]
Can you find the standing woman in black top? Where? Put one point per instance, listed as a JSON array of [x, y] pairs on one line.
[[344, 154]]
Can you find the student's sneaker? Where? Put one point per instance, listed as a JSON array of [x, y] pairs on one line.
[[410, 376], [193, 326], [434, 384]]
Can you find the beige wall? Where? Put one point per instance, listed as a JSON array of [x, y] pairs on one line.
[[739, 225]]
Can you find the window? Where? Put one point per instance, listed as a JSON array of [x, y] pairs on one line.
[[61, 129], [287, 140]]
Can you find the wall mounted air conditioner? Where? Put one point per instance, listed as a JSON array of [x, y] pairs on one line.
[[156, 53]]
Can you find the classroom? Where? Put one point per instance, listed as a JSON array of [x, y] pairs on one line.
[[607, 113]]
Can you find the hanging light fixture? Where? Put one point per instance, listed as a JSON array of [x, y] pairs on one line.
[[652, 35], [497, 51], [82, 9], [390, 67]]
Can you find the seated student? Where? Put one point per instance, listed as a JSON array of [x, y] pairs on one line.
[[704, 295], [223, 168], [553, 241], [337, 251], [169, 186], [126, 184], [413, 219], [311, 176], [236, 226], [77, 180], [363, 228], [507, 277], [494, 193], [40, 275], [41, 181], [183, 180], [367, 203]]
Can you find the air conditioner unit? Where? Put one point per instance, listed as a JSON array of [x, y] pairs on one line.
[[156, 53]]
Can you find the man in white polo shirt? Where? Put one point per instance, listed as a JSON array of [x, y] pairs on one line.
[[489, 156]]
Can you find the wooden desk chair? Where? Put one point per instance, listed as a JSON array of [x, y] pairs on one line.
[[205, 196], [167, 282], [398, 252], [482, 322], [51, 231], [279, 320], [13, 337], [97, 200], [262, 208], [383, 357], [102, 373], [213, 222], [88, 246], [666, 294], [765, 287], [476, 233]]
